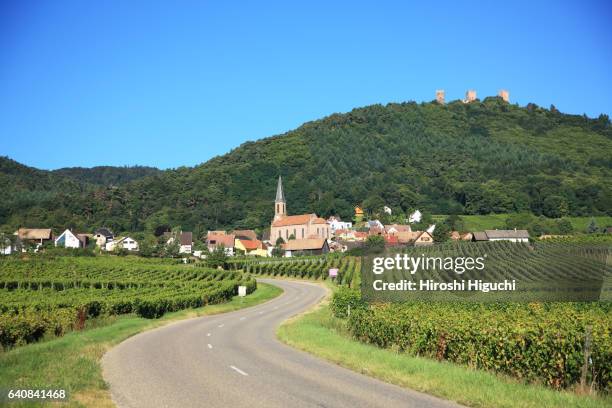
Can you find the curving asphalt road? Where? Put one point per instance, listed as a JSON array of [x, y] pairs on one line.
[[235, 360]]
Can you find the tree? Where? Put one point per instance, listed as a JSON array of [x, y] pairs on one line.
[[592, 228], [217, 257], [375, 244], [441, 232], [171, 247], [455, 223], [565, 226], [555, 206], [277, 251]]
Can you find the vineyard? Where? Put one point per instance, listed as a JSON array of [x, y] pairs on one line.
[[560, 344], [539, 267], [535, 342], [304, 267], [41, 296]]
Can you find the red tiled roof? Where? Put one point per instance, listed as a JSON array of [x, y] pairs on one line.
[[251, 244], [226, 240], [298, 220], [391, 239]]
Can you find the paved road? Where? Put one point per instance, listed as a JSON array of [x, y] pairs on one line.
[[234, 360]]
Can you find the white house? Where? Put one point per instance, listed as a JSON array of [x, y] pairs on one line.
[[227, 241], [185, 241], [103, 236], [127, 243], [375, 224], [337, 224], [415, 217], [69, 240]]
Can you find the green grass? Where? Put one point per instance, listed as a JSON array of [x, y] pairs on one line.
[[72, 362], [493, 221], [321, 334]]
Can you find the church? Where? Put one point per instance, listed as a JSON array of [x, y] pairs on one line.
[[304, 226]]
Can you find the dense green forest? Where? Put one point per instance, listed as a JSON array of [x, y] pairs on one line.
[[107, 175], [478, 158]]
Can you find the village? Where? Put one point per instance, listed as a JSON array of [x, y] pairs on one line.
[[288, 236]]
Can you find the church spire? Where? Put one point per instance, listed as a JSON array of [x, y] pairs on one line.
[[280, 205], [280, 197]]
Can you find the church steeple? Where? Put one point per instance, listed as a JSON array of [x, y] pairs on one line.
[[280, 205]]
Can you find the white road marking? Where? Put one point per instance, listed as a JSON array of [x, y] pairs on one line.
[[239, 371], [221, 325], [260, 312], [208, 335], [209, 345], [242, 318], [275, 307]]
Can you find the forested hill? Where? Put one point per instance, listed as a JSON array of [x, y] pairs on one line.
[[478, 158], [107, 175]]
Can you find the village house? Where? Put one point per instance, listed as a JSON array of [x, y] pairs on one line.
[[103, 236], [68, 239], [302, 226], [185, 240], [417, 238], [250, 247], [312, 246], [458, 236], [34, 236], [375, 227], [127, 243], [360, 235], [502, 235], [422, 238], [394, 229], [245, 234], [227, 241], [336, 224]]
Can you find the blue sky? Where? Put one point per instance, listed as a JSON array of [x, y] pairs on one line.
[[169, 84]]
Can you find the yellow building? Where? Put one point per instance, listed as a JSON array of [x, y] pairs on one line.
[[250, 247], [358, 214]]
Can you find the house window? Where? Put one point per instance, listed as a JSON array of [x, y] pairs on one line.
[[294, 234], [287, 233], [302, 232]]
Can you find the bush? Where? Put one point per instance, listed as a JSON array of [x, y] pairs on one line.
[[345, 298]]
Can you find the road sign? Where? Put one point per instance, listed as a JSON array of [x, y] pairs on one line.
[[333, 272], [241, 290]]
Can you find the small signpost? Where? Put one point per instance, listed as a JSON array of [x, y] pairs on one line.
[[241, 291], [333, 273]]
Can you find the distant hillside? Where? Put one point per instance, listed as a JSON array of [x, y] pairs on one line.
[[107, 175], [478, 158]]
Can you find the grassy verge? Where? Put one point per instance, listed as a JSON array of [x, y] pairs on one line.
[[72, 362], [323, 335]]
